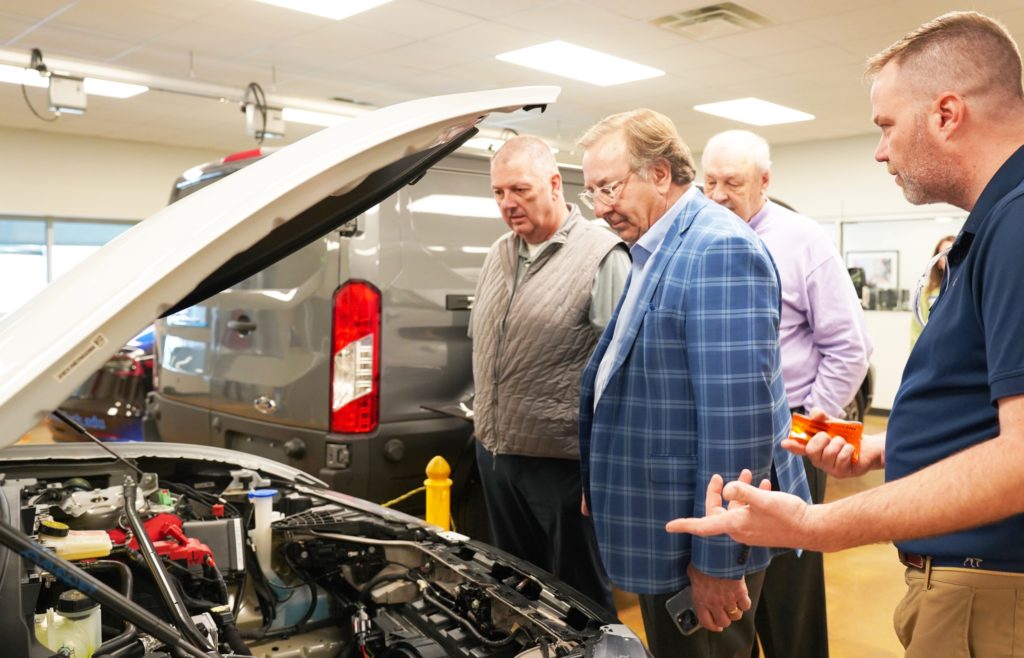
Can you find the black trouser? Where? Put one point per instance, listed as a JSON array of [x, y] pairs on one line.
[[665, 641], [534, 506], [791, 620]]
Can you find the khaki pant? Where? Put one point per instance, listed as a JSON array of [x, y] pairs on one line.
[[968, 613]]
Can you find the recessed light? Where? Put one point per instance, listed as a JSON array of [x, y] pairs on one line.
[[21, 76], [754, 111], [336, 9], [93, 86], [97, 87], [579, 63]]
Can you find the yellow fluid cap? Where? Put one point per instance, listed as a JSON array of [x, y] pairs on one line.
[[52, 528]]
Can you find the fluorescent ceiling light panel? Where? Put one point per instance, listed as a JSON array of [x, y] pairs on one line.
[[336, 9], [97, 87], [457, 205], [19, 76], [292, 115], [754, 111], [579, 63], [93, 86]]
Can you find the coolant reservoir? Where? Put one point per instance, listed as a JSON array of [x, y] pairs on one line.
[[263, 505], [75, 625], [74, 544]]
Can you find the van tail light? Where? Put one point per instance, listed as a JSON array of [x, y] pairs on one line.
[[355, 362]]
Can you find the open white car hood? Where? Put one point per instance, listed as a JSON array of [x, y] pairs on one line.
[[214, 238]]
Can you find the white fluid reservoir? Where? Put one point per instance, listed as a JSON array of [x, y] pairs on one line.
[[75, 625]]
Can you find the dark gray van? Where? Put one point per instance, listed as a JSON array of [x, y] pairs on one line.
[[348, 359]]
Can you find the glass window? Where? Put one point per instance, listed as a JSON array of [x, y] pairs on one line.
[[22, 260], [33, 252], [893, 255], [74, 241]]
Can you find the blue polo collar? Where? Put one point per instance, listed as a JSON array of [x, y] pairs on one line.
[[1007, 177]]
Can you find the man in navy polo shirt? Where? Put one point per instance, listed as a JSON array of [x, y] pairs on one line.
[[949, 102]]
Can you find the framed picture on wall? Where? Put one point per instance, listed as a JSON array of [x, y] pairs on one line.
[[881, 268]]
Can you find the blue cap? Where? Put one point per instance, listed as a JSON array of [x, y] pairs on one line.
[[262, 493]]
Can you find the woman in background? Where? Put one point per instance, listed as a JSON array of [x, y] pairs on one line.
[[931, 288]]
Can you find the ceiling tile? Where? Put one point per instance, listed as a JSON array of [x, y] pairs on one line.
[[12, 26], [763, 42], [564, 19], [646, 10], [486, 8], [688, 57], [414, 19], [72, 42], [188, 10], [127, 21], [821, 58], [843, 26], [485, 42], [631, 39], [271, 22], [810, 59], [38, 10]]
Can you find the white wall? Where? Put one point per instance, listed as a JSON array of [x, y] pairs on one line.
[[64, 175], [839, 181]]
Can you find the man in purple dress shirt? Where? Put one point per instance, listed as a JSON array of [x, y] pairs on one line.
[[825, 350]]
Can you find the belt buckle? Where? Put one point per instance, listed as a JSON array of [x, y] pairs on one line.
[[912, 560]]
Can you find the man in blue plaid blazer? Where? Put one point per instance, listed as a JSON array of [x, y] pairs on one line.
[[685, 382]]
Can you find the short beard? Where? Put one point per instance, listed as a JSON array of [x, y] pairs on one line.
[[934, 183], [931, 180]]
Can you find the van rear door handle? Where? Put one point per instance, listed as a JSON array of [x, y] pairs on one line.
[[243, 326], [458, 302]]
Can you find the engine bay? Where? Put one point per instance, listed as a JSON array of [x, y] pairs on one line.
[[241, 563]]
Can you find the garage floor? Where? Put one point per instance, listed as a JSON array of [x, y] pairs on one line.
[[862, 586]]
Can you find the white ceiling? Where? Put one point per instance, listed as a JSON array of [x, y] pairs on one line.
[[810, 58]]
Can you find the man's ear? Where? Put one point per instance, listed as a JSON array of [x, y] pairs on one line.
[[949, 110], [660, 172], [556, 185], [766, 179]]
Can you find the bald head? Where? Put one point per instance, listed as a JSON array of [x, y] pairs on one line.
[[738, 146], [737, 170], [528, 188], [526, 152]]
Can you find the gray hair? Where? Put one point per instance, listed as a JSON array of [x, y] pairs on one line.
[[650, 136], [740, 143]]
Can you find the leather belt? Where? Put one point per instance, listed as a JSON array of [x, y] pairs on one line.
[[922, 562], [912, 560]]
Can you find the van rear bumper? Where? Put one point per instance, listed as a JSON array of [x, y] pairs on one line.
[[393, 460], [378, 466]]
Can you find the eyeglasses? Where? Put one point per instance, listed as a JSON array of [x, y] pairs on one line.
[[923, 281], [605, 194]]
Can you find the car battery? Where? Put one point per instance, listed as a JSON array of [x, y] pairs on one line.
[[225, 539]]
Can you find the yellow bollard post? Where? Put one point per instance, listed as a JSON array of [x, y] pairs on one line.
[[439, 493]]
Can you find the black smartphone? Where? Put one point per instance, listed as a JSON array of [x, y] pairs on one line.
[[680, 608]]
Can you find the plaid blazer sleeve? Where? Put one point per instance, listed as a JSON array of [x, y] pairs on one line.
[[732, 332]]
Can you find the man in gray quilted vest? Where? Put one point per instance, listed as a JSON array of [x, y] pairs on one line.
[[546, 291]]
